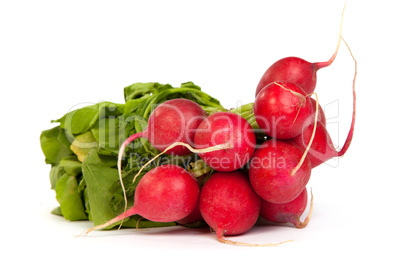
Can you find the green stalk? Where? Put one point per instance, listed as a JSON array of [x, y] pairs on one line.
[[246, 111]]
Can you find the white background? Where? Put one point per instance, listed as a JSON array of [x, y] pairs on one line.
[[57, 54]]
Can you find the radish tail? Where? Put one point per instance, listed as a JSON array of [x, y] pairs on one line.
[[324, 64], [352, 126], [125, 214], [224, 240], [301, 97], [311, 139], [120, 158], [303, 224]]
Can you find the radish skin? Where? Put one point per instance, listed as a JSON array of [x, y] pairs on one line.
[[289, 212], [229, 204], [281, 110], [271, 167], [225, 127]]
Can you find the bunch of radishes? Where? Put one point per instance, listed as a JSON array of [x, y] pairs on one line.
[[248, 179]]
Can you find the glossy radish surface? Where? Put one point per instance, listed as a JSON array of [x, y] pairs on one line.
[[281, 110], [221, 128], [270, 171], [228, 203], [294, 70]]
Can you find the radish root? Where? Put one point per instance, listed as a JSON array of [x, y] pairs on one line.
[[224, 240], [137, 226], [352, 125], [311, 139], [120, 158], [121, 217], [297, 94], [324, 64], [303, 224]]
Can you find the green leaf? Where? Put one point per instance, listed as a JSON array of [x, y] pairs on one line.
[[82, 185], [54, 145], [80, 120], [132, 106], [107, 134], [246, 111], [70, 201], [100, 180], [137, 221], [103, 193], [138, 90], [110, 109], [131, 125], [71, 165], [108, 159], [86, 203], [57, 211], [190, 85], [83, 119], [56, 172]]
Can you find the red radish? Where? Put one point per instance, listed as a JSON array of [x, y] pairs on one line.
[[172, 121], [166, 193], [322, 148], [289, 212], [271, 169], [221, 128], [296, 70], [281, 110], [229, 204]]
